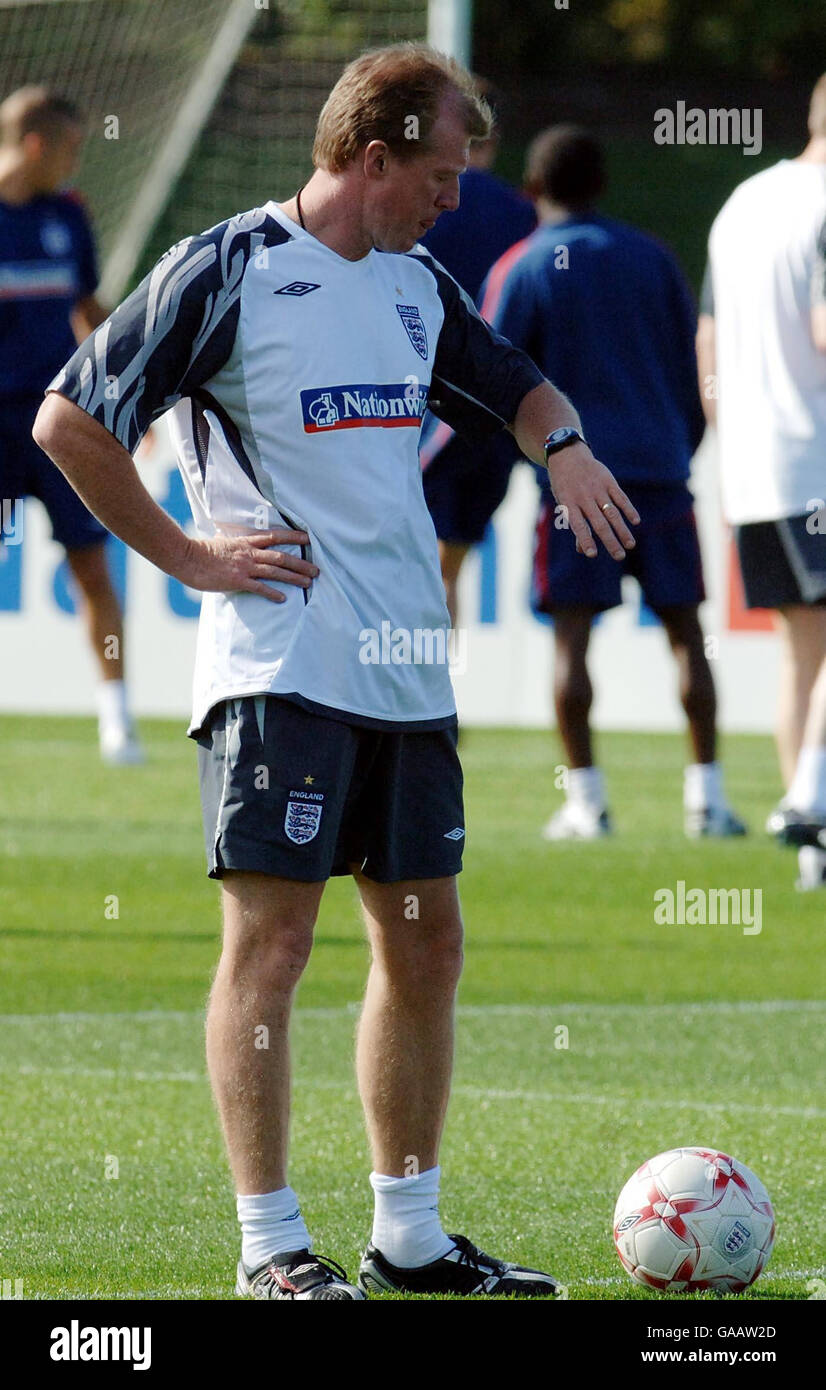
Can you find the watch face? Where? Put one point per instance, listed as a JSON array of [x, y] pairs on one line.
[[557, 435]]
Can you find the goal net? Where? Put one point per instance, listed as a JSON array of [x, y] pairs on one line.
[[196, 108]]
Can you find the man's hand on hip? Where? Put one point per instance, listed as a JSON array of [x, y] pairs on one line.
[[249, 564]]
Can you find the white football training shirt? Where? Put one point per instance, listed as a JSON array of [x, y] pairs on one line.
[[297, 381], [771, 410]]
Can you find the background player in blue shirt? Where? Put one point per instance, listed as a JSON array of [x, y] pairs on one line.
[[605, 313], [462, 486], [48, 276]]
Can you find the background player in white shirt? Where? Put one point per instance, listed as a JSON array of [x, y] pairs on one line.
[[755, 335], [807, 795], [296, 344]]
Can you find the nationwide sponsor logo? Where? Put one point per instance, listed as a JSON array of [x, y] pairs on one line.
[[414, 323], [298, 287], [302, 821], [363, 405]]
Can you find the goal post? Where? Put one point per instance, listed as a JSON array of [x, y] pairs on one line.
[[197, 109], [187, 123]]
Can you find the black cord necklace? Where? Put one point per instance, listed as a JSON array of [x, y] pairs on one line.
[[298, 205]]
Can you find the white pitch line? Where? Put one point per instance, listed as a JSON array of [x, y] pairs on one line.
[[797, 1112], [800, 1112], [708, 1006], [108, 1073]]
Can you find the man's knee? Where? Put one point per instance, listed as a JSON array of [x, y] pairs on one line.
[[684, 630], [268, 928], [431, 959], [272, 960]]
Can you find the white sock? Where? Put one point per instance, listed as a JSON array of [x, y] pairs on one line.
[[703, 786], [113, 711], [586, 787], [406, 1225], [812, 865], [271, 1224], [808, 789]]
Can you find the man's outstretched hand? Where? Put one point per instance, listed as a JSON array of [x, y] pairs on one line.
[[593, 500], [249, 564]]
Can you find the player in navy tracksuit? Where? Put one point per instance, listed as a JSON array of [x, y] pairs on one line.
[[605, 313], [48, 276], [462, 486]]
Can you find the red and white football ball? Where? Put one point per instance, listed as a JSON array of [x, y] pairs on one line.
[[694, 1219]]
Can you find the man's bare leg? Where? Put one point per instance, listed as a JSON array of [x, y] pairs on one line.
[[404, 1052], [100, 608], [803, 633], [572, 689], [404, 1059], [268, 929], [696, 683], [101, 612]]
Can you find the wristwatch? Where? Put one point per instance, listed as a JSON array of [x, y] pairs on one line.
[[559, 439]]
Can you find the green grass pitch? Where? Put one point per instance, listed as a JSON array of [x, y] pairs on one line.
[[676, 1034]]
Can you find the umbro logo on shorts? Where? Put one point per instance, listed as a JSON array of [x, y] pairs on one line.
[[456, 834], [298, 287]]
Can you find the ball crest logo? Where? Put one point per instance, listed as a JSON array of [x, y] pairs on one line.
[[736, 1241], [628, 1221]]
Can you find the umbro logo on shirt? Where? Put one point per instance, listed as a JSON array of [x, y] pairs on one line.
[[456, 834], [298, 287]]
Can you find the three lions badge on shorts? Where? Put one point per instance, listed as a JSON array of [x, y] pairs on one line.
[[303, 817]]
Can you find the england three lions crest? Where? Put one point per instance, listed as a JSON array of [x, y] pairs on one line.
[[414, 323], [302, 821]]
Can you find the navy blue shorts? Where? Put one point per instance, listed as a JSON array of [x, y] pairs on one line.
[[783, 563], [302, 796], [665, 561], [25, 471], [463, 488]]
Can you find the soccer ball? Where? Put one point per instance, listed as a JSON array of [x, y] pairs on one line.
[[693, 1219]]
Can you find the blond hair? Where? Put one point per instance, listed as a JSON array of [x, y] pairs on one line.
[[394, 94]]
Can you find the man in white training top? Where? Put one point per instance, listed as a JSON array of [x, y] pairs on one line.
[[297, 345], [755, 336]]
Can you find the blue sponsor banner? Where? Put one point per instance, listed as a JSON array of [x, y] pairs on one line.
[[364, 404]]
